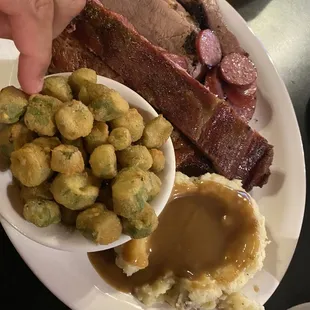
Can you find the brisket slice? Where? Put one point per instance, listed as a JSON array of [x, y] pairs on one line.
[[69, 55], [175, 5], [211, 125], [208, 15], [162, 23]]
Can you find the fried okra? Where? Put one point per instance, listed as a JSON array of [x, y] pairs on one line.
[[91, 91], [31, 165], [99, 224], [41, 212], [135, 156], [153, 185], [142, 224], [120, 138], [80, 77], [77, 143], [68, 217], [13, 137], [41, 191], [74, 120], [76, 191], [57, 87], [67, 159], [158, 160], [129, 191], [103, 162], [108, 106], [156, 132], [98, 136], [133, 121], [40, 114], [13, 104], [47, 144]]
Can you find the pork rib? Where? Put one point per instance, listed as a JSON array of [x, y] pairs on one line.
[[69, 55], [189, 159], [212, 125]]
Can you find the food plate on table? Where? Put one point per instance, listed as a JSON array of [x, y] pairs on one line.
[[305, 306], [281, 200]]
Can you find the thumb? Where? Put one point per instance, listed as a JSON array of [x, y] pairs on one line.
[[5, 29]]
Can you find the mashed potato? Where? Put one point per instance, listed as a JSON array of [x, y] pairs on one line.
[[133, 256], [238, 301], [206, 292]]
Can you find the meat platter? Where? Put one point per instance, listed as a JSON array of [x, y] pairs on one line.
[[208, 94], [281, 199]]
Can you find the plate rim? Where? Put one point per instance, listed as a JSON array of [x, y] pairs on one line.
[[292, 111]]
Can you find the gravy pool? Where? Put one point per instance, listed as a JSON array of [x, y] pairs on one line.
[[203, 229]]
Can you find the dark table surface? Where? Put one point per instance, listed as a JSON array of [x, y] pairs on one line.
[[284, 28]]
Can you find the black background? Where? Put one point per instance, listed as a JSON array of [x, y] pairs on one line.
[[23, 290]]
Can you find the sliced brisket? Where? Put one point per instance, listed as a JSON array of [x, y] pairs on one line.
[[160, 21]]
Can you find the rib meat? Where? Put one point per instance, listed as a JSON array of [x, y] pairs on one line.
[[69, 55], [209, 123], [189, 159], [146, 69]]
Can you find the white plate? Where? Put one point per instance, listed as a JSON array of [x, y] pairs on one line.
[[301, 307], [72, 279]]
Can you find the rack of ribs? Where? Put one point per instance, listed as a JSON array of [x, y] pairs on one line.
[[210, 124]]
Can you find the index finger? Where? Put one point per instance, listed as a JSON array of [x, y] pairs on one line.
[[32, 32]]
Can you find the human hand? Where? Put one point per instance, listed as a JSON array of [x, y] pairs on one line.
[[32, 25]]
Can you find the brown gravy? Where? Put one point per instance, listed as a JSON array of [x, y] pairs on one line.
[[202, 229]]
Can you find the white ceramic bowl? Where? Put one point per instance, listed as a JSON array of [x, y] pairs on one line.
[[60, 237]]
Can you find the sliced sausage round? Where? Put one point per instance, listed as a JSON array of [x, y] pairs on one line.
[[242, 100], [208, 48], [238, 70], [213, 83]]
